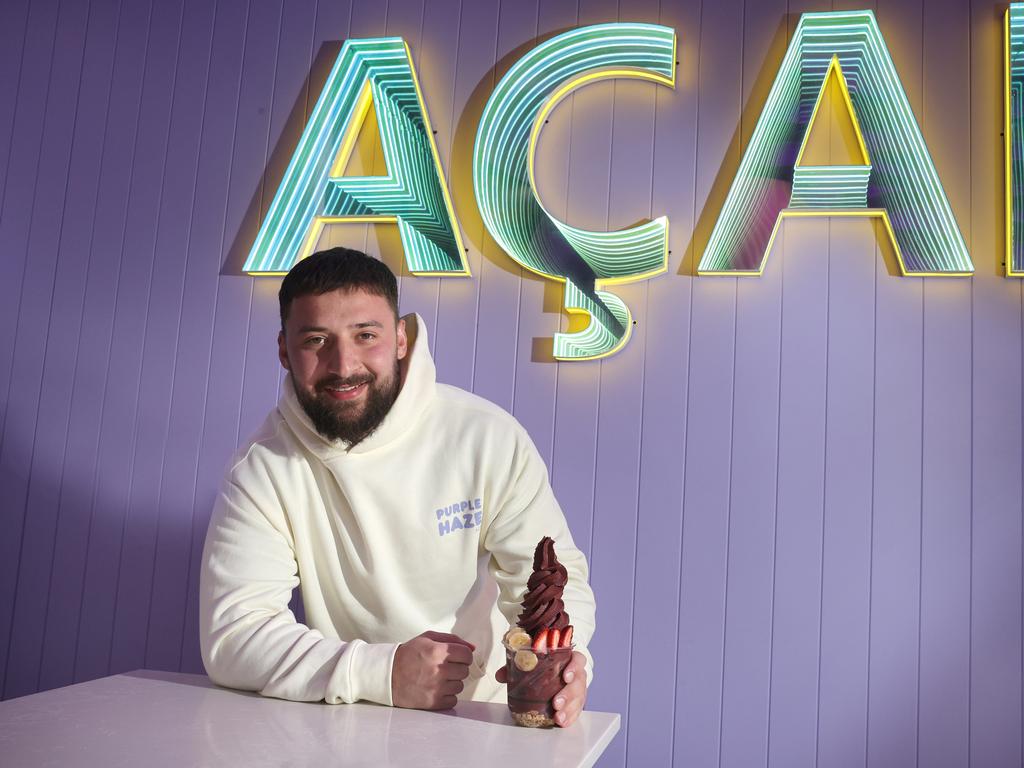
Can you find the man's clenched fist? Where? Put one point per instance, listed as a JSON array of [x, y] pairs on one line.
[[428, 671]]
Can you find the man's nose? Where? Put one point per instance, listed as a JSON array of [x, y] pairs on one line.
[[342, 359]]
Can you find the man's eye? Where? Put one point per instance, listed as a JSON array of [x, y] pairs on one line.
[[315, 340], [367, 336]]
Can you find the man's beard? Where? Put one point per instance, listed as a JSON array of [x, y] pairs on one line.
[[339, 420]]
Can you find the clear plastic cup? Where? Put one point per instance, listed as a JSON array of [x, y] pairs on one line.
[[533, 680]]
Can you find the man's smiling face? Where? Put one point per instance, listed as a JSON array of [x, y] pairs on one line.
[[342, 349]]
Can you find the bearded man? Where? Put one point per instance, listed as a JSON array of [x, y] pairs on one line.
[[405, 510]]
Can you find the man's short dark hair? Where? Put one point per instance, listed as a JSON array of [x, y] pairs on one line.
[[337, 268]]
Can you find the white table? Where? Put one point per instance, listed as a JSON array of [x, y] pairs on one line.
[[146, 718]]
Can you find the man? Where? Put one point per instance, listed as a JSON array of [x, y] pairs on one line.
[[401, 507]]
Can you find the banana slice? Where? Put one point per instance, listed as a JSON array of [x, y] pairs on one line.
[[517, 638], [526, 660]]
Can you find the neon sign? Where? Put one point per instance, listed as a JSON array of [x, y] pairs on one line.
[[313, 191], [891, 177], [506, 190], [896, 180]]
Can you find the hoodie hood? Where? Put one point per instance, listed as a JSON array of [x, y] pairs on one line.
[[417, 393]]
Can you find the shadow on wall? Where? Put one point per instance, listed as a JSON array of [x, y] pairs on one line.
[[104, 568], [279, 158]]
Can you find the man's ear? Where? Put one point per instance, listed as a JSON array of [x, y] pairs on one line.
[[282, 351], [403, 340]]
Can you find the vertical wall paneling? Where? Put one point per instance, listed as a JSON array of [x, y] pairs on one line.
[[896, 530], [996, 514], [944, 632], [800, 493], [173, 96], [576, 439], [499, 279], [196, 321], [187, 317], [204, 338], [796, 603], [12, 50], [655, 604], [15, 214], [458, 302], [709, 415], [743, 735], [69, 424], [13, 37], [36, 423], [285, 104], [621, 404], [539, 313], [107, 330], [846, 532], [853, 263]]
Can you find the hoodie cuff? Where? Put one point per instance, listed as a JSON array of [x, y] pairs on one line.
[[369, 673]]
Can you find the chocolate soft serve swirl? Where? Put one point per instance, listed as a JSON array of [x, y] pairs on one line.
[[543, 607]]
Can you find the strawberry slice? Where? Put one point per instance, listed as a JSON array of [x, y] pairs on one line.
[[540, 643], [553, 637], [567, 636]]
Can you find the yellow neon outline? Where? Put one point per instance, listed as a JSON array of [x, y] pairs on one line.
[[834, 67], [341, 160], [791, 213], [1008, 150]]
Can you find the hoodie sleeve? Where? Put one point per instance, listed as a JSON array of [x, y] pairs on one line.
[[527, 511], [249, 638]]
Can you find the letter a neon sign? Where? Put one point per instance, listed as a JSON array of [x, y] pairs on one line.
[[895, 182], [413, 194]]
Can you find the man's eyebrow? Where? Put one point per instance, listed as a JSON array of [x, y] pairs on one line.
[[355, 326]]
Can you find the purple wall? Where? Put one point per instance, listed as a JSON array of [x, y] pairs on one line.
[[801, 494]]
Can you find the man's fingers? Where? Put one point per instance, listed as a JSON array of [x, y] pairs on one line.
[[576, 668], [566, 717], [446, 702], [451, 688], [445, 637], [501, 675], [453, 671], [460, 654]]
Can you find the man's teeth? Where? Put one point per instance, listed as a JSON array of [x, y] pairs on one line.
[[345, 389]]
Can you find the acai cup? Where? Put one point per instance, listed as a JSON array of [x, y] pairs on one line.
[[534, 671]]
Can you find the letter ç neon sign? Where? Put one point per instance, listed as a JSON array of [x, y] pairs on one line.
[[892, 179], [503, 178]]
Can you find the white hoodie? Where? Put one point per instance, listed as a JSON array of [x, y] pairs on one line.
[[430, 523]]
